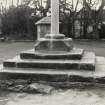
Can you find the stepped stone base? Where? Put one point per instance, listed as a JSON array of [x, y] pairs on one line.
[[87, 62], [60, 76], [56, 62]]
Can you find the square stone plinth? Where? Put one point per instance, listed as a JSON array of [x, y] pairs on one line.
[[55, 44]]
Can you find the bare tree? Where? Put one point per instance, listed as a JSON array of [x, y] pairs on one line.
[[12, 3], [5, 4], [96, 13], [17, 3]]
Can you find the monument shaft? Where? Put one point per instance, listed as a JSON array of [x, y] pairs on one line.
[[54, 16], [54, 42]]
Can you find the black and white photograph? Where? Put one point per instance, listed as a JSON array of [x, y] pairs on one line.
[[52, 52]]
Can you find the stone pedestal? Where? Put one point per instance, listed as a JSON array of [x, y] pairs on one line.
[[54, 44]]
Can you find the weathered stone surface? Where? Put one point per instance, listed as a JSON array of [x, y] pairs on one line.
[[62, 72], [99, 71], [54, 45], [49, 75], [22, 85], [41, 88], [74, 54], [100, 67], [37, 74], [57, 78], [68, 85], [16, 88], [55, 36], [78, 78], [86, 63], [10, 64]]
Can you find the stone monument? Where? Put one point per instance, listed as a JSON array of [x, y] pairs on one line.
[[55, 60], [54, 42]]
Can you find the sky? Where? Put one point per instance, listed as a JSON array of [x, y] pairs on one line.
[[9, 2]]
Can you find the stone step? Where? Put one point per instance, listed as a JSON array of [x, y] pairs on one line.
[[45, 74], [97, 76], [74, 54], [86, 63]]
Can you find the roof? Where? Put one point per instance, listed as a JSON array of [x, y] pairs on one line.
[[45, 20]]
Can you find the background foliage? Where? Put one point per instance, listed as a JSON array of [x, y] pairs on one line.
[[18, 21]]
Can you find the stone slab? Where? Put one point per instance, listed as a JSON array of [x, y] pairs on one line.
[[74, 54], [45, 74], [86, 63]]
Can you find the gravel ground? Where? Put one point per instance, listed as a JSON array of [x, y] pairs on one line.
[[11, 49], [94, 96], [97, 46], [67, 97]]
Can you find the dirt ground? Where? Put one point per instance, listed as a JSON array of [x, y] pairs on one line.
[[93, 96], [67, 97]]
